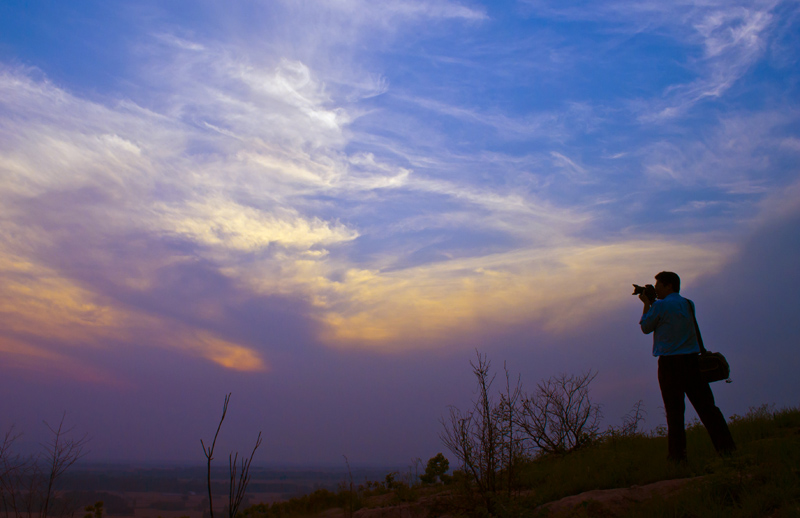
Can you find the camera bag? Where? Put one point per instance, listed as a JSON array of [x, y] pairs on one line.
[[713, 366]]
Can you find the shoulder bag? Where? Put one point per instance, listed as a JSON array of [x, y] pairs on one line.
[[713, 366]]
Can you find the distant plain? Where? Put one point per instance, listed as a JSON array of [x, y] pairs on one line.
[[176, 491]]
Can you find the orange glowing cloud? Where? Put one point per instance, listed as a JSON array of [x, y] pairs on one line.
[[35, 300], [39, 307], [225, 353]]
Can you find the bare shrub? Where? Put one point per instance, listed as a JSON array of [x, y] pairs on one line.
[[512, 437], [631, 423], [502, 428], [475, 435], [239, 475], [28, 484], [633, 420], [560, 416], [485, 437]]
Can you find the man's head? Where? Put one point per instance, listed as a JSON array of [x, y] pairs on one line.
[[666, 283]]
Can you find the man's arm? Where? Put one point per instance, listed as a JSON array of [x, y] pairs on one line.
[[649, 319]]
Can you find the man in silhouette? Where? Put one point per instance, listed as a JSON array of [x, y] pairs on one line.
[[672, 322]]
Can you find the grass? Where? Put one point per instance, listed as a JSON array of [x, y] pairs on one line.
[[306, 505], [761, 479]]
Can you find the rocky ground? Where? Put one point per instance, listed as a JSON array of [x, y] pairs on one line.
[[614, 502], [605, 503]]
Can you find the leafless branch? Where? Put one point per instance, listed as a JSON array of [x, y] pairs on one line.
[[631, 422], [239, 475], [238, 488], [209, 453], [560, 417], [476, 436], [28, 484], [61, 454]]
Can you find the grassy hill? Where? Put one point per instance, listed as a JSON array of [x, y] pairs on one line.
[[762, 479]]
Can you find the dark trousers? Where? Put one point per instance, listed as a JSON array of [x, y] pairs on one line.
[[679, 375]]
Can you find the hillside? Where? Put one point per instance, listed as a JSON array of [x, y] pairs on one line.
[[615, 476]]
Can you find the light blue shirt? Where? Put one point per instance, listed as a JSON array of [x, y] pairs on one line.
[[672, 321]]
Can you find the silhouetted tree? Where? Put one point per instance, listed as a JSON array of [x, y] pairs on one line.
[[436, 470]]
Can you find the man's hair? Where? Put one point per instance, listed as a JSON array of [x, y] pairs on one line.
[[670, 278]]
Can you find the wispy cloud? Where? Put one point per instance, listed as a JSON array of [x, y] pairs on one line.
[[731, 156], [384, 12], [568, 165], [730, 37], [733, 39], [546, 125]]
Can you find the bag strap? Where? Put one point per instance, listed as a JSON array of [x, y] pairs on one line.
[[696, 327]]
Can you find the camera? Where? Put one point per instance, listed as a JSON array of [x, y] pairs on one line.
[[648, 289]]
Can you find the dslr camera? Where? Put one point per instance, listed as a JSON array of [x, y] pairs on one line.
[[648, 289]]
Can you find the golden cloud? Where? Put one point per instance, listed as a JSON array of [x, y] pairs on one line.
[[559, 288]]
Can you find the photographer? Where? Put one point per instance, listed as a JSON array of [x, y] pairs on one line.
[[672, 323]]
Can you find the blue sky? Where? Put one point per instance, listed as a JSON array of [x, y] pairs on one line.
[[326, 207]]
